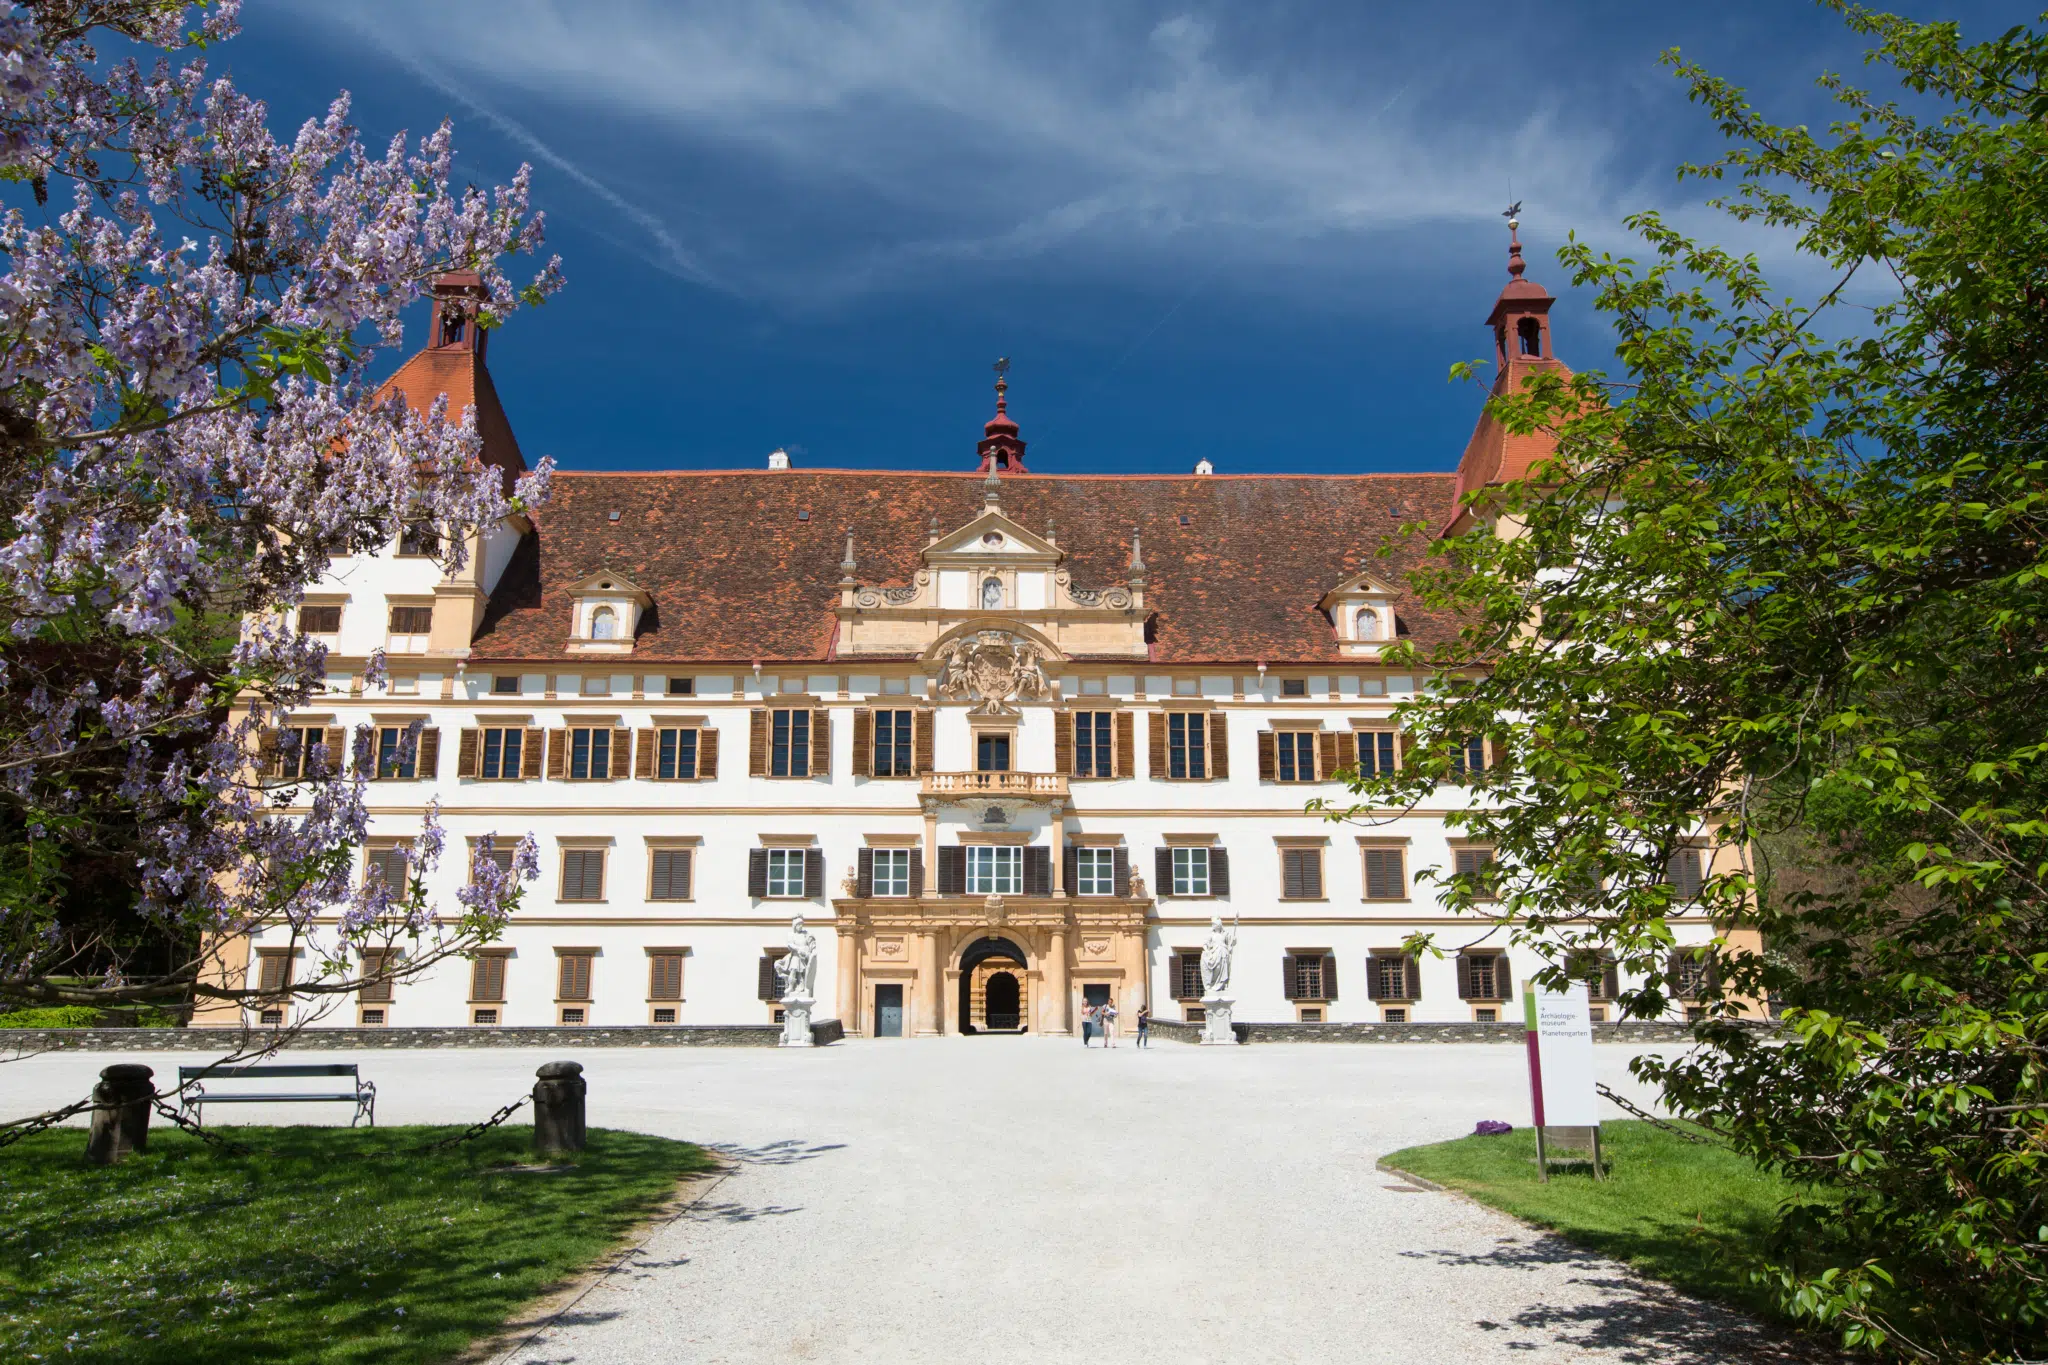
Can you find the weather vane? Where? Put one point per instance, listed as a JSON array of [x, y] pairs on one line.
[[1513, 214], [1002, 366]]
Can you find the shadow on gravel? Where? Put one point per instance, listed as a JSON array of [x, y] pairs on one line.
[[736, 1213], [1640, 1321], [785, 1153]]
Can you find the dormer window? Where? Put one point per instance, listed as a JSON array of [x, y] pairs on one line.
[[604, 624], [1529, 337], [606, 613], [1362, 611], [1366, 624]]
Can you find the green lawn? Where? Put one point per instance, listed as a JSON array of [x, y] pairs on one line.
[[1673, 1210], [330, 1245]]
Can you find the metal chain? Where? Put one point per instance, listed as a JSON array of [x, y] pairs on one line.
[[477, 1130], [21, 1128], [1654, 1121], [205, 1135]]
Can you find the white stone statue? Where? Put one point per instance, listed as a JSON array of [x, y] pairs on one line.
[[798, 968], [1216, 955]]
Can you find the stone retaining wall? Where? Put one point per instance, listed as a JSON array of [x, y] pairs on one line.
[[1635, 1031], [351, 1039]]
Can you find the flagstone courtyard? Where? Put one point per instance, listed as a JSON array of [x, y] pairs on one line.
[[1024, 1199]]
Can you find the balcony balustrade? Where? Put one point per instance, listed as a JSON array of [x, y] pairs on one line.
[[967, 786]]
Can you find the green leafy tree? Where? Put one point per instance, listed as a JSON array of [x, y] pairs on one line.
[[1784, 586]]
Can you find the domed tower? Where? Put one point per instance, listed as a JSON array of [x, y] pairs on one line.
[[1000, 448]]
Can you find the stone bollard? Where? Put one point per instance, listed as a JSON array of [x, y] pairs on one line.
[[558, 1108], [120, 1115]]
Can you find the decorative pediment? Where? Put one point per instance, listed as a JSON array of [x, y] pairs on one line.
[[605, 608], [991, 536], [1362, 609]]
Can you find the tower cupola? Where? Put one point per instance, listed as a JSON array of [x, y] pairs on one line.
[[1001, 450]]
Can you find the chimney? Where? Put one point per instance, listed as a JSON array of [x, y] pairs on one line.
[[778, 459], [1204, 467]]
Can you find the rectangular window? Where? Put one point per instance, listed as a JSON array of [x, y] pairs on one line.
[[892, 744], [676, 755], [892, 872], [419, 539], [1190, 871], [669, 878], [1396, 1015], [273, 971], [504, 684], [1385, 877], [499, 753], [487, 980], [1187, 976], [1187, 746], [665, 981], [1468, 759], [1484, 976], [590, 753], [1294, 753], [1301, 874], [412, 620], [682, 687], [583, 874], [1392, 978], [789, 750], [665, 1016], [501, 854], [1308, 976], [1375, 753], [991, 753], [786, 871], [388, 866], [574, 978], [998, 870], [1477, 863], [1094, 872], [1094, 744], [296, 756], [395, 757], [1294, 687], [1685, 874], [319, 620]]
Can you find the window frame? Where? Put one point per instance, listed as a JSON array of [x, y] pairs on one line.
[[483, 750], [900, 746], [1189, 751], [788, 857], [1179, 852], [1399, 854], [1298, 740], [587, 734], [1312, 852], [892, 857], [304, 607], [655, 854], [1000, 867], [1489, 889], [1382, 744], [581, 854], [784, 722], [668, 752], [1100, 745], [1094, 864], [991, 735]]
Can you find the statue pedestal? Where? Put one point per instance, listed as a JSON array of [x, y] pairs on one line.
[[796, 1021], [1216, 1030]]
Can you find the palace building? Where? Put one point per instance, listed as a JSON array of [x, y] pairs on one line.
[[1006, 740]]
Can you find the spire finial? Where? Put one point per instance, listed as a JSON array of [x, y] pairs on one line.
[[1002, 369], [1000, 447], [847, 563], [1514, 216], [1137, 555]]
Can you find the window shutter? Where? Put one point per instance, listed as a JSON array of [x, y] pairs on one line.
[[917, 872], [1400, 749], [269, 754], [814, 873], [1037, 870], [1290, 874], [618, 762], [1120, 870], [953, 871], [1291, 989], [1330, 977], [1375, 986], [757, 873], [558, 754], [1063, 743], [337, 749], [1155, 738], [465, 753], [921, 740], [1269, 758], [665, 976], [1347, 751], [530, 755], [575, 977], [1176, 975], [1464, 977], [428, 765], [644, 750], [757, 748], [707, 753], [821, 743], [864, 873], [766, 983], [1219, 871], [1126, 744], [1326, 757], [487, 977], [1219, 745], [1162, 872], [1070, 869], [863, 742], [1610, 982]]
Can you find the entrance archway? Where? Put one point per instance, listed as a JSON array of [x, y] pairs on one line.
[[992, 971]]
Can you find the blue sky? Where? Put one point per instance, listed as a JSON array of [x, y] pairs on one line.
[[1259, 233]]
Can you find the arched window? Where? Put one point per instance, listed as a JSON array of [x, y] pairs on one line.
[[1529, 332], [604, 624], [991, 594], [452, 322], [1367, 624]]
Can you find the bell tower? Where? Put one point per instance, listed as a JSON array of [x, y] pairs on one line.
[[1521, 315], [1001, 450], [458, 298]]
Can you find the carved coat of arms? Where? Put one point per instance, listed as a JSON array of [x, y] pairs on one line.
[[991, 669]]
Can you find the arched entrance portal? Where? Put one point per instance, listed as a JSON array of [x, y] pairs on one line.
[[992, 993]]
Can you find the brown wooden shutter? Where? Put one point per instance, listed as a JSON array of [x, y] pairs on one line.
[[1269, 757], [645, 748], [863, 742], [757, 873], [707, 753], [1290, 875], [864, 873], [1070, 868], [921, 740], [465, 753], [665, 976], [1126, 744], [337, 749], [427, 765], [1063, 742], [1155, 738], [1120, 870], [1162, 872], [814, 873], [1375, 988], [1347, 750], [1037, 870], [821, 742], [1610, 982], [1400, 749], [1411, 976], [1219, 745], [1291, 989], [1326, 756], [765, 982], [757, 746], [619, 762], [487, 978], [953, 870], [917, 872], [269, 754], [1219, 871], [575, 976], [530, 755], [1330, 977], [558, 754]]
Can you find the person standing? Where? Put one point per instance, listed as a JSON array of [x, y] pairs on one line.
[[1144, 1025], [1108, 1017], [1087, 1025]]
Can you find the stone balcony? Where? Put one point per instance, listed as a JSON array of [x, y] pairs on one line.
[[1013, 786]]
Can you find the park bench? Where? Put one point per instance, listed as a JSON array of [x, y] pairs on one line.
[[194, 1083]]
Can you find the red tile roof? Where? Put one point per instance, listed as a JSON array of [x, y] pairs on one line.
[[736, 575], [460, 373]]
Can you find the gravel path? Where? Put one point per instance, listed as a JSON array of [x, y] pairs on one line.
[[1023, 1199]]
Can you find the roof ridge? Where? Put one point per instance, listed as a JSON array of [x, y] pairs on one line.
[[561, 473]]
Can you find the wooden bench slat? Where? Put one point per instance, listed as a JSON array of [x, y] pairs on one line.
[[325, 1069], [271, 1099]]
